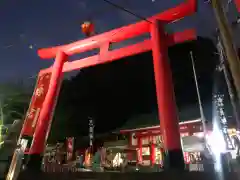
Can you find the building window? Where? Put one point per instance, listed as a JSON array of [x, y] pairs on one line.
[[134, 139], [145, 141], [158, 156], [145, 151], [184, 134], [157, 139], [121, 137]]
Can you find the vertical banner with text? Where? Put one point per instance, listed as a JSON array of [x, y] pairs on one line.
[[29, 125], [35, 106], [70, 148]]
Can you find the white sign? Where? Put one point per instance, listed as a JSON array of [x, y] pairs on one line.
[[91, 131]]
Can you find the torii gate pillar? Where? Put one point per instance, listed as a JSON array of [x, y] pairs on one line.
[[167, 111]]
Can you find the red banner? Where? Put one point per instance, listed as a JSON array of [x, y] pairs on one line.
[[70, 148], [237, 3], [35, 106]]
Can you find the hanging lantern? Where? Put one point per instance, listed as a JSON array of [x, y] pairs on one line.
[[88, 28]]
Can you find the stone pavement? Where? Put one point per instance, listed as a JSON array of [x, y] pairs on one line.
[[166, 175]]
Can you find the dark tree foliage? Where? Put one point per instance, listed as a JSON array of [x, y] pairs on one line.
[[114, 92], [14, 101]]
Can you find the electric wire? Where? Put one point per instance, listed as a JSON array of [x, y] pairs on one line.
[[126, 10], [97, 13]]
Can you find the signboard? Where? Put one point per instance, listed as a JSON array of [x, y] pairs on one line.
[[16, 164], [30, 123], [70, 148], [35, 106], [91, 131], [219, 98]]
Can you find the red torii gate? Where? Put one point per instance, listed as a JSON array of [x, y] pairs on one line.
[[38, 119]]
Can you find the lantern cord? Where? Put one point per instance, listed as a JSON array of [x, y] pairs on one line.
[[126, 10]]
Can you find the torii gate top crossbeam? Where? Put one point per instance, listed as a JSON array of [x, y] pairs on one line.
[[185, 9]]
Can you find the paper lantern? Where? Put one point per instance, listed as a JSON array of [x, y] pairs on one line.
[[88, 28]]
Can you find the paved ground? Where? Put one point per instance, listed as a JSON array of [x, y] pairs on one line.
[[167, 175]]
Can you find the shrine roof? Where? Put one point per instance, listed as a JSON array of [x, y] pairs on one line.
[[150, 120]]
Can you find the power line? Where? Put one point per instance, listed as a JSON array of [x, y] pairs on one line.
[[96, 13], [126, 10]]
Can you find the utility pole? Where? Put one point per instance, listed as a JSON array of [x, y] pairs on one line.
[[224, 68], [228, 45]]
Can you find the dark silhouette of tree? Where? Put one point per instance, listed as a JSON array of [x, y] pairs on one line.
[[14, 101]]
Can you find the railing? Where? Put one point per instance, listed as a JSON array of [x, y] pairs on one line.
[[49, 168], [57, 168]]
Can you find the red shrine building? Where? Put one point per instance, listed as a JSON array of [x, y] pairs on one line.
[[148, 140], [146, 137]]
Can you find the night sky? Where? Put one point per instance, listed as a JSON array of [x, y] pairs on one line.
[[27, 25]]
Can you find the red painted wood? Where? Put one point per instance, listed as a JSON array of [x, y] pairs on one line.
[[102, 41], [45, 117], [109, 56], [35, 106], [185, 9]]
